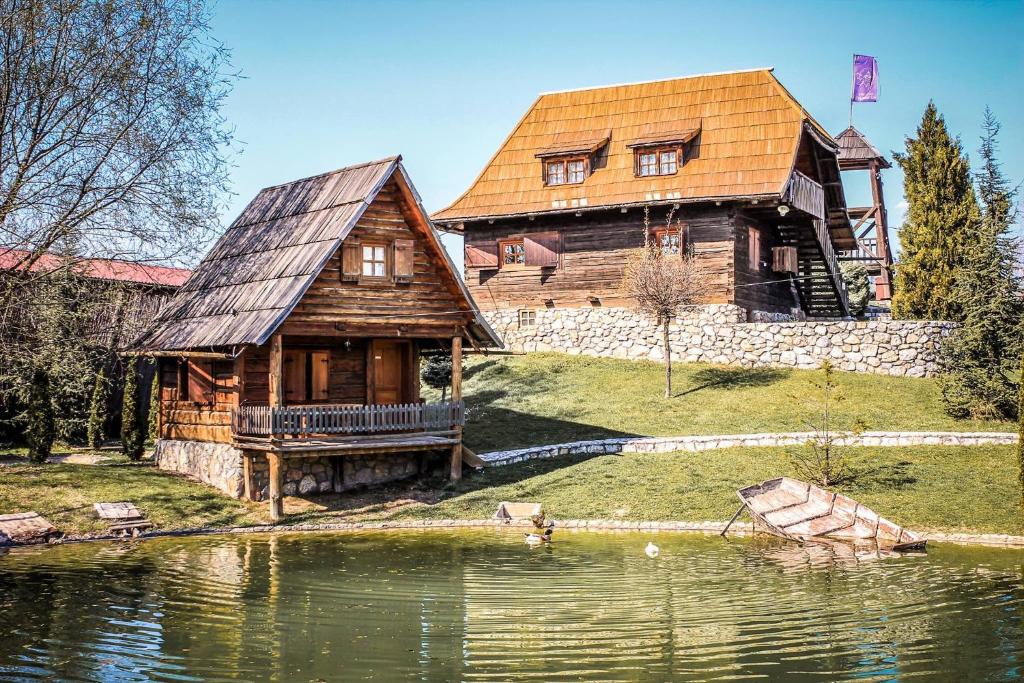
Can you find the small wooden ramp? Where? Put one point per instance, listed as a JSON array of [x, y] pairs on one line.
[[26, 527], [124, 518], [471, 459]]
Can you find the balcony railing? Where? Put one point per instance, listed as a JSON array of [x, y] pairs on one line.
[[867, 250], [347, 419]]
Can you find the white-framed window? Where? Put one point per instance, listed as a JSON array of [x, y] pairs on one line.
[[652, 162], [375, 260], [527, 318]]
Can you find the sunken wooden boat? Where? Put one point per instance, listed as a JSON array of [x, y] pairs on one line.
[[801, 512]]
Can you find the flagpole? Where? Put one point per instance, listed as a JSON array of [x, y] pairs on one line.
[[853, 85]]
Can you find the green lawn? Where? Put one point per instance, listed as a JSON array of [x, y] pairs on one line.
[[933, 487], [517, 401], [64, 494], [928, 487]]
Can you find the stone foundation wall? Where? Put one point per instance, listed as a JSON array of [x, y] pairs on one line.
[[220, 466], [216, 464], [307, 476], [721, 334]]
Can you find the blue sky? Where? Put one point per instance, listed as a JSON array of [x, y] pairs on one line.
[[327, 84]]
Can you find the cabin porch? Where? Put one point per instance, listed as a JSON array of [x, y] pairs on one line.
[[317, 414]]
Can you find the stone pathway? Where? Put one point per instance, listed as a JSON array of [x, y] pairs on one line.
[[693, 444]]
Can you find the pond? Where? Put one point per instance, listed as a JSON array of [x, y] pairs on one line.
[[482, 605]]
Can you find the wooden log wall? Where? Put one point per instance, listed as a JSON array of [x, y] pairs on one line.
[[422, 307], [760, 289], [594, 248], [189, 420]]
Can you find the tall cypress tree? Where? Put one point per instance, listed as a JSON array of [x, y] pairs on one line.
[[133, 431], [40, 433], [980, 358], [941, 220], [98, 410]]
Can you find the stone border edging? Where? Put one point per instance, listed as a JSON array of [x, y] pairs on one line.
[[693, 444], [739, 529]]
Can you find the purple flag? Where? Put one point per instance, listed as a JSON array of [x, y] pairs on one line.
[[865, 79]]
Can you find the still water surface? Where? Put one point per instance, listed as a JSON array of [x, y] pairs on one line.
[[482, 606]]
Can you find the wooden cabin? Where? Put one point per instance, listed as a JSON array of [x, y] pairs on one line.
[[750, 178], [295, 346]]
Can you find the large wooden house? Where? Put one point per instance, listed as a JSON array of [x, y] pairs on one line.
[[294, 348], [751, 179]]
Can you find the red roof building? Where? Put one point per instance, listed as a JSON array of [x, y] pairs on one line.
[[101, 269]]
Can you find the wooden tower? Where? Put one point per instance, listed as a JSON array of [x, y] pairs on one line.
[[857, 154]]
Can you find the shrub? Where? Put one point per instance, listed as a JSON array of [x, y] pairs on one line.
[[133, 435], [154, 406], [41, 425], [437, 372], [858, 288], [98, 410]]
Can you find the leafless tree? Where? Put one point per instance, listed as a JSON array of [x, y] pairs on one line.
[[664, 280], [111, 139]]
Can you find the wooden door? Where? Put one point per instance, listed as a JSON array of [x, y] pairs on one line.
[[388, 375]]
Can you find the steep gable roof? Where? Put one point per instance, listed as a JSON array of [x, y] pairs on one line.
[[259, 269], [747, 129]]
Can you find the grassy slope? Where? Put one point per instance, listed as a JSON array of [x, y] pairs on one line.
[[551, 398], [947, 488], [64, 494]]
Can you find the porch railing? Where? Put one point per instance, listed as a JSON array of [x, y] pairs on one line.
[[258, 420]]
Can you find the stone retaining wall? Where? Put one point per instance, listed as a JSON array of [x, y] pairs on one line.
[[220, 466], [720, 334], [308, 476], [216, 464], [693, 444]]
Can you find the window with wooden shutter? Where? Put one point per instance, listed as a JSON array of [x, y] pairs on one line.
[[200, 381], [483, 255], [294, 376], [321, 372], [404, 260], [542, 249], [351, 260]]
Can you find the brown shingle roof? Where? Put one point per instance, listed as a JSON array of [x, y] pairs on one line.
[[750, 128], [855, 150], [261, 266]]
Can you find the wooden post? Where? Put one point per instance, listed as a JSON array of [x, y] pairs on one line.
[[276, 361], [456, 470], [247, 476], [276, 502]]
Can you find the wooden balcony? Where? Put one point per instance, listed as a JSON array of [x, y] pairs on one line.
[[322, 420]]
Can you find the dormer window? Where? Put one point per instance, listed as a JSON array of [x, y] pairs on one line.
[[661, 152], [565, 171], [651, 162]]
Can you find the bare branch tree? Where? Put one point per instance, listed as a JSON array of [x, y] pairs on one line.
[[664, 280], [111, 138]]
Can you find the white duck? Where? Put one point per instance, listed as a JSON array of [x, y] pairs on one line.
[[652, 550]]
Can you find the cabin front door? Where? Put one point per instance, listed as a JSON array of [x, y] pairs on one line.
[[388, 376]]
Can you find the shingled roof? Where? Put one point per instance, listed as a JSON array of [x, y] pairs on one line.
[[747, 129], [855, 150], [262, 265]]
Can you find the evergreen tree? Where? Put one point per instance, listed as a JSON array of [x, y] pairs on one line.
[[858, 287], [1020, 437], [154, 406], [437, 372], [41, 428], [942, 219], [980, 357], [133, 435], [98, 410]]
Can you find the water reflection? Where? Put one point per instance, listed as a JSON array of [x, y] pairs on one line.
[[436, 606]]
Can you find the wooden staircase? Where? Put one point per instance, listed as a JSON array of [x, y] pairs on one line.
[[819, 280]]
